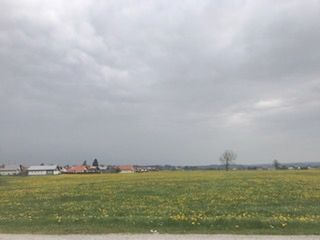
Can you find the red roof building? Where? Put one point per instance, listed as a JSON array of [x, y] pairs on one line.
[[76, 169], [126, 169]]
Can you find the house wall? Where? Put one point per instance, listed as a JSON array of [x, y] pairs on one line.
[[9, 172], [126, 171], [37, 173], [43, 172], [74, 172]]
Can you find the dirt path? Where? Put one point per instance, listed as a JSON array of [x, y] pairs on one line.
[[151, 237]]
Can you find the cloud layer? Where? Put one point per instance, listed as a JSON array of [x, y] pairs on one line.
[[169, 82]]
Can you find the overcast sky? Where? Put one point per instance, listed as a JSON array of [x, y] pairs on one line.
[[159, 82]]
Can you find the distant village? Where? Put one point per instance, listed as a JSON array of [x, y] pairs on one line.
[[96, 168], [42, 169]]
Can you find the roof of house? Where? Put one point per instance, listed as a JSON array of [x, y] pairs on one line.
[[92, 167], [103, 167], [80, 168], [9, 168], [42, 168], [126, 168]]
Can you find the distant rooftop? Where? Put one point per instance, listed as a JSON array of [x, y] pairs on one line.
[[126, 167], [42, 168], [79, 168], [9, 167]]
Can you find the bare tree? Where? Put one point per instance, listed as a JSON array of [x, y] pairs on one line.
[[228, 157]]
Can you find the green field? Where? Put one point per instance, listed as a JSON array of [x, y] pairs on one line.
[[262, 202]]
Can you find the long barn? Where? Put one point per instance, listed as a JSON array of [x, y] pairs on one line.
[[10, 170], [43, 170]]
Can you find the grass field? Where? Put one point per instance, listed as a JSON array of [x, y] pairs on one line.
[[262, 202]]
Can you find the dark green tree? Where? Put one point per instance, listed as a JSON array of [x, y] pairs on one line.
[[95, 163], [276, 164]]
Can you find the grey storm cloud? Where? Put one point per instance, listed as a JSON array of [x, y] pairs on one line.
[[159, 82]]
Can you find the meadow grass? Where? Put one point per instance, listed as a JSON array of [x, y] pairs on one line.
[[260, 202]]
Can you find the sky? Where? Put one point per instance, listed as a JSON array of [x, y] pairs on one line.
[[159, 82]]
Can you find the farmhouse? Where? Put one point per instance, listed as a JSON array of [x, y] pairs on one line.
[[126, 169], [93, 169], [43, 170], [76, 169], [108, 169], [10, 170]]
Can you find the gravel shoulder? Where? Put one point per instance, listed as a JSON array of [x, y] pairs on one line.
[[152, 237]]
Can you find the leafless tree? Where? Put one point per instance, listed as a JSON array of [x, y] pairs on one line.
[[228, 157]]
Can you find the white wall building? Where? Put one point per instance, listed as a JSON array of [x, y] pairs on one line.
[[43, 170], [10, 170]]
